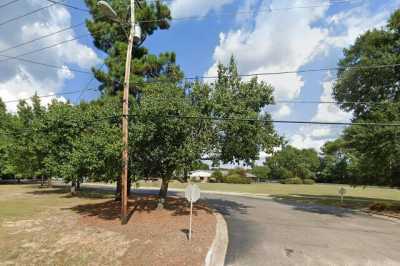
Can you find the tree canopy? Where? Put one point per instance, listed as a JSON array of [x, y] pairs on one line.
[[291, 162]]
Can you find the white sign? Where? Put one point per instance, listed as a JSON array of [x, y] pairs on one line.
[[192, 194]]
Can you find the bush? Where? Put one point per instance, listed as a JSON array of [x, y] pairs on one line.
[[308, 181], [294, 181], [236, 179], [217, 176], [237, 171]]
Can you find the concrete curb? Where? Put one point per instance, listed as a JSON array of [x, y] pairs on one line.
[[217, 252]]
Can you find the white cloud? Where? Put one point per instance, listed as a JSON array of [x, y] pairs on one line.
[[305, 141], [277, 42], [330, 112], [22, 79], [283, 111], [314, 136], [23, 85], [185, 8], [346, 26]]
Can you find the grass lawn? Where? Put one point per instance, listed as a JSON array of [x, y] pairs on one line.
[[326, 194], [46, 226]]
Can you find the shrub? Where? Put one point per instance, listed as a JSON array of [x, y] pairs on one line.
[[236, 179], [308, 181], [217, 176], [294, 181], [237, 171]]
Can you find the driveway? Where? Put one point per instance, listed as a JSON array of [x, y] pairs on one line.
[[270, 232], [267, 232]]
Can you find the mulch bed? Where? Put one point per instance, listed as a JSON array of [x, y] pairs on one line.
[[157, 236]]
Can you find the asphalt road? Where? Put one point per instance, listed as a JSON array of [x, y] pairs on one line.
[[267, 232]]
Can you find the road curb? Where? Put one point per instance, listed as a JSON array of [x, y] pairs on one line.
[[217, 252]]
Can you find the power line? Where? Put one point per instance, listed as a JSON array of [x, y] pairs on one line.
[[69, 6], [8, 3], [396, 124], [47, 65], [46, 47], [198, 77], [42, 37], [269, 10], [25, 15]]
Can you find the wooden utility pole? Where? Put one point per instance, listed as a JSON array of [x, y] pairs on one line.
[[125, 112]]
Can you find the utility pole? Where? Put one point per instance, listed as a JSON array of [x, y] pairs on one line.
[[125, 112], [134, 31]]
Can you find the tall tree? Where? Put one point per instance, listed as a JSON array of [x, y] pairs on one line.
[[171, 126], [111, 37], [372, 150], [27, 147], [375, 150], [357, 85]]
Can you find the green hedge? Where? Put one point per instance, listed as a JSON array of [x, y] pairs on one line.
[[294, 181], [308, 181], [236, 179]]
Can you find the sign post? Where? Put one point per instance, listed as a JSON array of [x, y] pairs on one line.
[[342, 191], [192, 194]]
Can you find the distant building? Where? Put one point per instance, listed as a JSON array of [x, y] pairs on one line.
[[204, 176], [201, 175]]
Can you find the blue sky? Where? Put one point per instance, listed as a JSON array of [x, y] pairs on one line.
[[263, 35]]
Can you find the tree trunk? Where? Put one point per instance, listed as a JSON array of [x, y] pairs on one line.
[[118, 189], [73, 187], [49, 184], [78, 185], [129, 186], [163, 193], [42, 181]]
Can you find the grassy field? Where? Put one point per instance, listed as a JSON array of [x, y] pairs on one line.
[[47, 226], [327, 194]]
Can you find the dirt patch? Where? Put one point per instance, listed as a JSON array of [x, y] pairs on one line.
[[88, 232], [159, 236]]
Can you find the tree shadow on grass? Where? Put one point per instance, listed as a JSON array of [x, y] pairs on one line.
[[111, 209], [64, 191], [329, 204]]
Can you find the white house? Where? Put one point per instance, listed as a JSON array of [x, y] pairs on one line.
[[201, 175]]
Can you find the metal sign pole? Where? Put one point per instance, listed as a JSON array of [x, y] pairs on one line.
[[190, 225]]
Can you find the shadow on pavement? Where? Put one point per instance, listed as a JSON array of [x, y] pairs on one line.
[[328, 204], [227, 207]]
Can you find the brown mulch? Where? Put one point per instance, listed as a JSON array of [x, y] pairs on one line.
[[157, 236]]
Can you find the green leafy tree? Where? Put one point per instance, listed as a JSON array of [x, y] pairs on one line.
[[371, 150], [261, 172], [217, 176], [6, 136], [27, 148], [291, 162], [335, 163], [374, 150], [168, 132], [240, 140], [357, 85], [96, 151]]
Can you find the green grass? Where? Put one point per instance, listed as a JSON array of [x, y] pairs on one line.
[[21, 201], [325, 194]]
